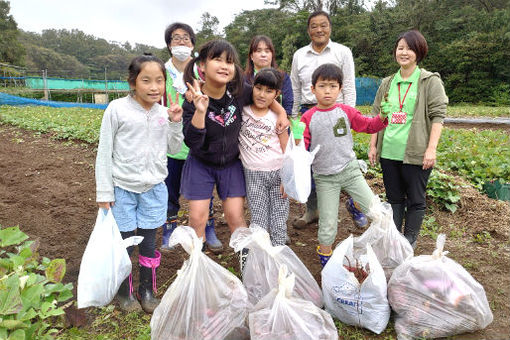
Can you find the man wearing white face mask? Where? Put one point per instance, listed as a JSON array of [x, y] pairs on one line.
[[180, 41]]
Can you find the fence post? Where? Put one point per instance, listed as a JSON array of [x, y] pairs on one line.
[[45, 82], [106, 86]]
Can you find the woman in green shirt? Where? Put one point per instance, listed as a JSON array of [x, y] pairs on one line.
[[415, 101]]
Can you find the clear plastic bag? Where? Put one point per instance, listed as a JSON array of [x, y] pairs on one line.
[[388, 244], [260, 274], [205, 301], [105, 262], [364, 303], [296, 174], [281, 315], [435, 296]]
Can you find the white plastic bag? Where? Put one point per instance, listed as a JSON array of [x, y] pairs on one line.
[[205, 301], [280, 315], [260, 274], [364, 304], [105, 262], [388, 244], [435, 296], [296, 174]]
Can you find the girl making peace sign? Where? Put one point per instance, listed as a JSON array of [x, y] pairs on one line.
[[211, 129], [136, 134]]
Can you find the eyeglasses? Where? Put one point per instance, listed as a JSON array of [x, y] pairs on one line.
[[179, 38]]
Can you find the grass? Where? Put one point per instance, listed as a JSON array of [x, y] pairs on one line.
[[430, 227], [482, 238], [110, 323], [465, 110], [456, 232]]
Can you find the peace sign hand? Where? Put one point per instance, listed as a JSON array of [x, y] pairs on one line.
[[174, 110], [200, 100]]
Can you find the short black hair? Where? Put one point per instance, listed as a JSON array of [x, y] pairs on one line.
[[270, 77], [135, 67], [416, 42], [316, 14], [327, 72], [175, 26]]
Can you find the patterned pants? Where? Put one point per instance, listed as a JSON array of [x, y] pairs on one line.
[[268, 209]]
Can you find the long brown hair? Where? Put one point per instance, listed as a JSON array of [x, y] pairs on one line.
[[249, 70]]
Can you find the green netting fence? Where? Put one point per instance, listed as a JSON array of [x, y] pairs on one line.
[[75, 84], [497, 190]]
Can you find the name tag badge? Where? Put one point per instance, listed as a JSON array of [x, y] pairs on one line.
[[399, 117], [340, 128]]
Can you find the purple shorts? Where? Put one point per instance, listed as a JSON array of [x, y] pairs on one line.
[[198, 180]]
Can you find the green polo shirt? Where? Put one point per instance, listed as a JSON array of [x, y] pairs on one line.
[[170, 93], [395, 135]]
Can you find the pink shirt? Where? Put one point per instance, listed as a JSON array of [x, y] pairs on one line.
[[259, 144]]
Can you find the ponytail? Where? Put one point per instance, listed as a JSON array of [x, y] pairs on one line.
[[189, 73]]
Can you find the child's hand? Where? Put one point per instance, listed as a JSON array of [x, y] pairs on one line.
[[200, 100], [105, 205], [175, 110], [188, 95], [282, 124], [297, 128], [282, 191], [385, 108]]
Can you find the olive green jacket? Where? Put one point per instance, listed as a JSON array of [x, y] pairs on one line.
[[430, 108]]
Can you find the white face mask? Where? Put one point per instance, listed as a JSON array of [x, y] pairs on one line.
[[180, 52]]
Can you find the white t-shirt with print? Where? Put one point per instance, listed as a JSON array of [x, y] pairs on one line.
[[259, 144]]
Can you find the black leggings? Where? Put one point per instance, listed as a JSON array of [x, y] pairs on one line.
[[147, 246], [405, 183]]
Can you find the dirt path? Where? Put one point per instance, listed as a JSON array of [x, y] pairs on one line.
[[47, 188]]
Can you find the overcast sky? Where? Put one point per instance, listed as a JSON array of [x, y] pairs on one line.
[[136, 21]]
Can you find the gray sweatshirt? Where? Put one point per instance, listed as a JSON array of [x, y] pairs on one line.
[[133, 145]]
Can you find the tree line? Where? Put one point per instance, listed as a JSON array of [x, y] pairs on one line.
[[468, 41]]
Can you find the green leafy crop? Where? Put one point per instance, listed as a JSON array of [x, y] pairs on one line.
[[64, 123], [31, 290]]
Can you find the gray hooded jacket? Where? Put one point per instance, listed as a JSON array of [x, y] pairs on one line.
[[133, 147]]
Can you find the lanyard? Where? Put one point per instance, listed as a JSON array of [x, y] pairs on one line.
[[401, 103]]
